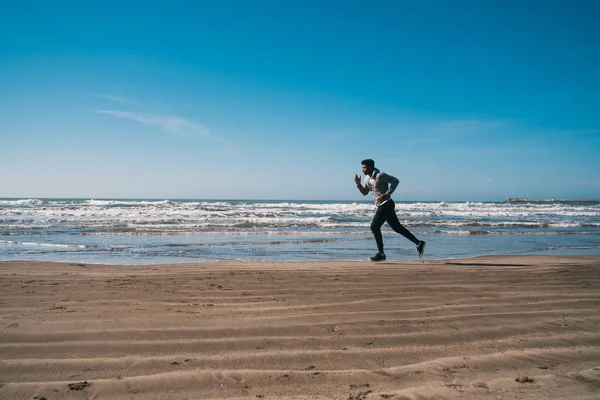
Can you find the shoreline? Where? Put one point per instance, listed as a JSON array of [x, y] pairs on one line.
[[556, 254], [246, 263], [497, 327]]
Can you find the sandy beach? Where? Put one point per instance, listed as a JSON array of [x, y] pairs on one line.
[[513, 327]]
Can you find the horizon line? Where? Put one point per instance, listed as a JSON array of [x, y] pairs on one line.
[[507, 200]]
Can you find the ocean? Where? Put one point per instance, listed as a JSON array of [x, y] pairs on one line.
[[137, 231]]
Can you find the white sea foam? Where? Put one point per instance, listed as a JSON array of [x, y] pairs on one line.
[[21, 202], [155, 217], [58, 245], [169, 209]]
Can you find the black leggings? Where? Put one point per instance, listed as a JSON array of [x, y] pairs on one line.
[[387, 213]]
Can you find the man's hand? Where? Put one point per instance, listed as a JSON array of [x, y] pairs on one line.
[[357, 179], [381, 198]]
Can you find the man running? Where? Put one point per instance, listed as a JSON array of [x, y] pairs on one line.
[[383, 185]]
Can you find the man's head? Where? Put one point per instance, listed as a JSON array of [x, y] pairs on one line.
[[368, 166]]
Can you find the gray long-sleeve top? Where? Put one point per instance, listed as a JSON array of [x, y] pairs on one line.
[[379, 183]]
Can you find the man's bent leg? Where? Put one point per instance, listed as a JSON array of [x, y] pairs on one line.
[[392, 220]]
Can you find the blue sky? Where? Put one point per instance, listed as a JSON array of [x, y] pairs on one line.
[[460, 100]]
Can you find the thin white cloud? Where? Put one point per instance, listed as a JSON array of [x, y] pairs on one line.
[[434, 132], [117, 99], [173, 125]]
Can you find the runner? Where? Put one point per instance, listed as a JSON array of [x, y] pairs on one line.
[[383, 185]]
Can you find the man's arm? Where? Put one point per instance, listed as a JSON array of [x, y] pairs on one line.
[[360, 187], [392, 180]]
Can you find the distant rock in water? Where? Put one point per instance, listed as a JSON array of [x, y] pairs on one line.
[[523, 200]]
